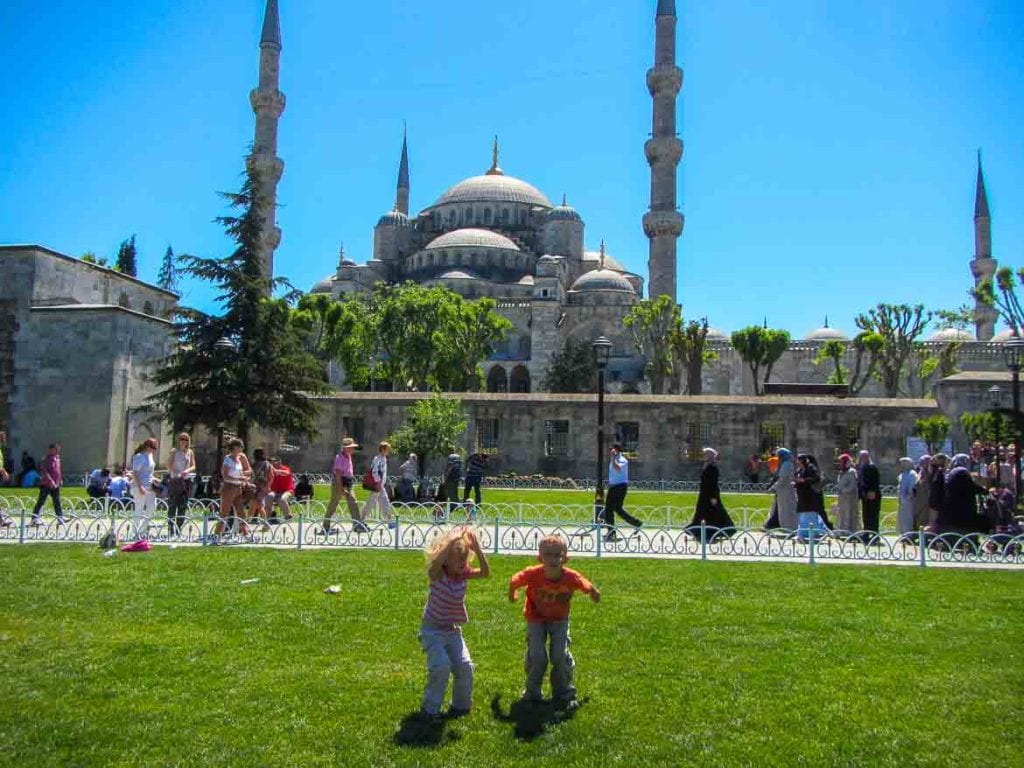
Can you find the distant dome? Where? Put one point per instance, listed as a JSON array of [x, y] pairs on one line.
[[602, 280], [714, 334], [526, 280], [564, 212], [826, 334], [951, 334], [458, 274], [609, 262], [324, 286], [394, 219], [471, 238], [1003, 336], [493, 188]]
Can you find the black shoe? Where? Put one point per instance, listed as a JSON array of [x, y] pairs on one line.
[[454, 713], [611, 536]]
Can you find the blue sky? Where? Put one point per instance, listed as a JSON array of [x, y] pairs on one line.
[[830, 146]]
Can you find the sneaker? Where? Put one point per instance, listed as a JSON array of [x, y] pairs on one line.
[[327, 530], [61, 521], [457, 712], [570, 704], [360, 527], [431, 717], [611, 536], [36, 522]]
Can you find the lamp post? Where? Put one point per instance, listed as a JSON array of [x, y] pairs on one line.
[[222, 348], [995, 398], [1013, 355], [602, 351]]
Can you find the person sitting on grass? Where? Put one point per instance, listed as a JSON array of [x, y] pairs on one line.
[[549, 589], [440, 635], [303, 489]]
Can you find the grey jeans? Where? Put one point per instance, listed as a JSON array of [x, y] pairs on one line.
[[562, 664], [447, 656]]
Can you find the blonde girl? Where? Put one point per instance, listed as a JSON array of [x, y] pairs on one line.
[[449, 570]]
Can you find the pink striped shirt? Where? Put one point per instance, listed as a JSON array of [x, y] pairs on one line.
[[446, 601]]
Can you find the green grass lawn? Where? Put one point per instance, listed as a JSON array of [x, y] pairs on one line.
[[165, 659]]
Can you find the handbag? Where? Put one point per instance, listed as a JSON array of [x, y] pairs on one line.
[[369, 481]]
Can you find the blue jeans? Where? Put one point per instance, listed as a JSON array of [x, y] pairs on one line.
[[447, 656], [538, 635], [473, 483]]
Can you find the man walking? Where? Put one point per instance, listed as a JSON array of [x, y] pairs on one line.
[[869, 486], [618, 483], [50, 480], [476, 465], [343, 478]]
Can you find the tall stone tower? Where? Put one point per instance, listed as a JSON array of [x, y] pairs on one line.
[[268, 104], [402, 196], [983, 266], [663, 223]]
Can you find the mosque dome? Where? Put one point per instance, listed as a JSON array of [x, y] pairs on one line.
[[458, 274], [602, 280], [493, 188], [1003, 336], [715, 334], [608, 260], [471, 238], [323, 286], [827, 334], [394, 219], [951, 334], [564, 212]]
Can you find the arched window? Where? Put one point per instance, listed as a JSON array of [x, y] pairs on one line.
[[469, 216], [519, 381], [487, 215], [504, 216], [497, 380]]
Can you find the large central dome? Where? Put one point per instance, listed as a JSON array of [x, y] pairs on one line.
[[493, 188]]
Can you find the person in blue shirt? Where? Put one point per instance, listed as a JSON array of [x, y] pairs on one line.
[[119, 484], [618, 484]]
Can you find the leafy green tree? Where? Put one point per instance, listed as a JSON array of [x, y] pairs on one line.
[[1002, 295], [433, 426], [690, 353], [760, 348], [834, 351], [653, 323], [889, 333], [933, 430], [464, 337], [167, 278], [987, 426], [572, 368], [90, 258], [248, 365], [126, 262]]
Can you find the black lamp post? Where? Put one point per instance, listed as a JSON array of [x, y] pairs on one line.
[[1013, 355], [602, 351], [222, 348], [995, 399]]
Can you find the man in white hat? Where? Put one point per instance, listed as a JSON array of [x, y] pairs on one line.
[[341, 486]]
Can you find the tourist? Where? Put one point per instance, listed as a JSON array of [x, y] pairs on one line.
[[342, 481], [143, 492], [810, 499], [618, 485], [304, 489], [710, 509], [235, 476], [549, 587], [921, 492], [440, 635], [452, 477], [848, 506], [476, 466], [98, 486], [379, 497], [50, 480], [869, 485], [408, 475], [753, 469], [282, 491], [182, 470], [262, 477], [960, 512], [785, 493], [906, 491], [120, 487], [936, 489], [28, 464]]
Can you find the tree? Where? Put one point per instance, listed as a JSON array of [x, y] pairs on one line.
[[1002, 295], [168, 275], [986, 426], [572, 368], [933, 430], [433, 426], [653, 323], [833, 351], [760, 347], [889, 332], [690, 353], [90, 258], [249, 365], [464, 337], [126, 258]]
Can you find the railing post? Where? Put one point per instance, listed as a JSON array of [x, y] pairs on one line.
[[398, 530], [21, 529], [495, 535], [922, 548], [703, 540], [206, 527], [810, 543], [298, 541], [520, 512], [597, 532]]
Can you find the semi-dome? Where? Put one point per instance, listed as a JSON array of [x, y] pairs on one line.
[[394, 219], [471, 238], [564, 212], [493, 188], [1003, 336], [323, 286], [951, 334], [602, 280], [458, 274], [608, 260], [827, 334]]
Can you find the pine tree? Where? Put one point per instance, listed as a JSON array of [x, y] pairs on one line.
[[126, 261], [168, 276]]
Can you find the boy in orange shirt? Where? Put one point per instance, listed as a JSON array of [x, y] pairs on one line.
[[549, 589]]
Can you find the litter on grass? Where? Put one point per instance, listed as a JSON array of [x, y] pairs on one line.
[[110, 553], [246, 582], [334, 589]]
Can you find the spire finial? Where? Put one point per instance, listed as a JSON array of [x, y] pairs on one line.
[[766, 322], [341, 255], [980, 196], [565, 200], [494, 169], [604, 252], [271, 25], [826, 321], [402, 194]]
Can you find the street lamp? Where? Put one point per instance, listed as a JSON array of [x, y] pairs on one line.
[[995, 398], [222, 348], [602, 351], [1013, 355]]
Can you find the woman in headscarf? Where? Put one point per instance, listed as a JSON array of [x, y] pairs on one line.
[[785, 494], [710, 508], [810, 501], [849, 503], [921, 516], [907, 490], [961, 509]]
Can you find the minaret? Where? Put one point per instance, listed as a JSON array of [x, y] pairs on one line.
[[402, 197], [663, 223], [268, 104], [983, 266]]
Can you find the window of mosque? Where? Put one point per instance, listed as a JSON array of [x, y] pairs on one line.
[[504, 216], [469, 215], [522, 217], [698, 435], [628, 433], [487, 431], [556, 438], [487, 215], [353, 427], [430, 259], [845, 439], [771, 435]]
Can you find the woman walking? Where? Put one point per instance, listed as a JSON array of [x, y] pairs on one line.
[[710, 509], [907, 487], [235, 474], [785, 493], [143, 492], [379, 497], [182, 466], [848, 499]]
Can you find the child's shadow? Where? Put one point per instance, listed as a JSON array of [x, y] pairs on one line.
[[419, 730], [532, 718]]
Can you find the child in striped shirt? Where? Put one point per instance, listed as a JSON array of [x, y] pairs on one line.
[[440, 635]]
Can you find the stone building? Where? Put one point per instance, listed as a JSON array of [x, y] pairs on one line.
[[77, 342]]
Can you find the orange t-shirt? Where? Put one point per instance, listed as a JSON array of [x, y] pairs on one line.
[[548, 600], [773, 464]]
